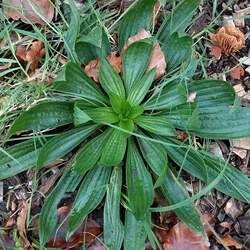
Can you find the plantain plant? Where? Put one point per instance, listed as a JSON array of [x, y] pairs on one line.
[[128, 126]]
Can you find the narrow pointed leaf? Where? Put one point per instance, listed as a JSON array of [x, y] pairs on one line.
[[62, 144], [48, 216], [90, 154], [139, 182], [18, 158], [110, 79], [90, 194], [114, 148], [156, 124], [134, 63], [172, 95], [179, 19], [140, 88], [113, 227], [43, 116], [138, 17]]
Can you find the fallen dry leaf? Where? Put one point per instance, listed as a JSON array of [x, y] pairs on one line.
[[228, 241], [157, 58], [30, 11], [228, 38], [21, 226], [215, 52], [237, 73], [239, 16], [85, 233], [181, 237], [92, 68], [32, 55], [241, 146]]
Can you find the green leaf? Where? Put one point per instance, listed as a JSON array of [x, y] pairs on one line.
[[212, 93], [114, 148], [93, 45], [75, 82], [48, 217], [90, 154], [140, 88], [110, 79], [224, 123], [18, 158], [137, 17], [80, 116], [185, 116], [90, 194], [127, 125], [170, 96], [174, 192], [234, 183], [139, 183], [179, 19], [154, 154], [177, 50], [134, 62], [73, 31], [156, 124], [62, 144], [113, 228], [136, 111], [43, 116], [135, 233], [119, 104]]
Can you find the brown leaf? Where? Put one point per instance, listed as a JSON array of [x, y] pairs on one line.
[[228, 38], [92, 68], [215, 52], [31, 55], [29, 11], [21, 226], [181, 237], [157, 58], [237, 73], [5, 66], [85, 233], [228, 241]]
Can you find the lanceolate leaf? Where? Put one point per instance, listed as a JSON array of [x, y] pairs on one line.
[[44, 115], [156, 124], [174, 192], [234, 183], [139, 183], [90, 154], [178, 20], [75, 82], [18, 158], [135, 233], [211, 93], [138, 17], [171, 95], [185, 116], [93, 45], [135, 61], [177, 50], [140, 88], [48, 216], [224, 123], [62, 144], [114, 149], [113, 228], [110, 79], [90, 194]]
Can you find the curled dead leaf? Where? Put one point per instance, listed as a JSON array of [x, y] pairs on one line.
[[237, 73], [34, 11], [228, 38], [32, 55], [181, 237], [157, 58], [92, 68], [228, 241]]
